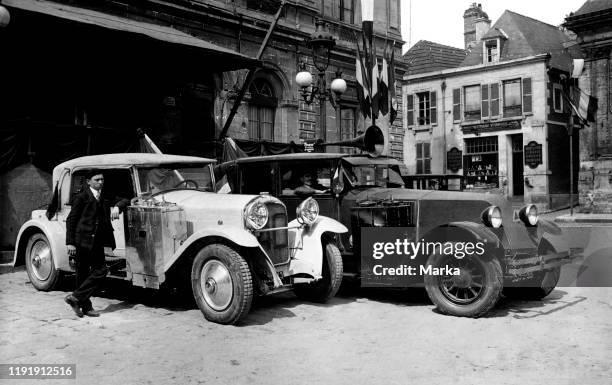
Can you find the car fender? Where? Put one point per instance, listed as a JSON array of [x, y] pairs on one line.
[[55, 233], [307, 249], [552, 234], [238, 236]]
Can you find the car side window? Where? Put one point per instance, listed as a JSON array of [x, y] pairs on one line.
[[305, 178], [117, 183], [257, 178]]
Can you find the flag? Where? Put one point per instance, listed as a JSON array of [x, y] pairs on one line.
[[583, 104], [375, 95], [587, 106], [383, 91], [371, 64], [363, 95], [393, 107]]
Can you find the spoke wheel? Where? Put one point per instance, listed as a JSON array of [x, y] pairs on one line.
[[471, 293], [39, 263]]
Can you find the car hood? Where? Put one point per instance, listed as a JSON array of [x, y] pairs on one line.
[[207, 208], [375, 194]]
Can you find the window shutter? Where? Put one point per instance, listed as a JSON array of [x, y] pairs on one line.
[[433, 107], [527, 109], [410, 110], [457, 104], [427, 159], [495, 99], [485, 101]]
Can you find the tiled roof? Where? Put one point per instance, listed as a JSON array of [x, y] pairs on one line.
[[593, 6], [526, 37], [427, 56]]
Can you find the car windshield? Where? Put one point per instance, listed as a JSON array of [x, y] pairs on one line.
[[373, 175], [155, 179]]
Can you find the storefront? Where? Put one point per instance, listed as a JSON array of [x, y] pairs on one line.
[[481, 163]]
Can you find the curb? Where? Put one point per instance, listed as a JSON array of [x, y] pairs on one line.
[[574, 219]]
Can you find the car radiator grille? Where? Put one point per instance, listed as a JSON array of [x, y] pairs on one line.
[[275, 243]]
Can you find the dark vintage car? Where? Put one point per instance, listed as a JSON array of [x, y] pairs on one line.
[[523, 252]]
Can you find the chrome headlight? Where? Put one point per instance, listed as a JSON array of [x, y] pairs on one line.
[[256, 215], [307, 212], [529, 215], [492, 217]]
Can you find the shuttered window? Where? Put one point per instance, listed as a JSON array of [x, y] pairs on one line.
[[485, 101], [527, 99], [423, 158], [495, 99], [410, 110], [457, 104], [433, 107]]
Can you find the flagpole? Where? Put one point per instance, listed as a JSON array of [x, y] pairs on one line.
[[570, 130]]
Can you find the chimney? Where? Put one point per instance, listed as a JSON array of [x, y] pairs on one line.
[[475, 24]]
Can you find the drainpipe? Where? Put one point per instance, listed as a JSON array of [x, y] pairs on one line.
[[443, 86]]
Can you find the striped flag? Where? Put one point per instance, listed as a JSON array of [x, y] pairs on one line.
[[393, 105], [363, 93], [383, 90], [583, 104]]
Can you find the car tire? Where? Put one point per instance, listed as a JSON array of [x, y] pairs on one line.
[[535, 288], [222, 284], [471, 294], [39, 263], [327, 287]]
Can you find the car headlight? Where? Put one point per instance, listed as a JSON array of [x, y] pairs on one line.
[[529, 215], [492, 217], [307, 212], [256, 215]]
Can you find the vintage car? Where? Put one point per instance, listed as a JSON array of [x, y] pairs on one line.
[[523, 253], [222, 248]]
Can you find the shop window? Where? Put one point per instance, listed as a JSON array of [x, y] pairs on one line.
[[471, 110], [423, 158], [512, 98], [426, 113], [262, 109], [481, 163]]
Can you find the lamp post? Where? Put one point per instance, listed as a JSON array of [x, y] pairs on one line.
[[321, 42]]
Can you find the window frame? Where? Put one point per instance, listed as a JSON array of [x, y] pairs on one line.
[[423, 162], [472, 115], [515, 110], [557, 87]]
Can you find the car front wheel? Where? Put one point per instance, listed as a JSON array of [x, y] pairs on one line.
[[327, 287], [222, 284], [470, 293], [39, 263]]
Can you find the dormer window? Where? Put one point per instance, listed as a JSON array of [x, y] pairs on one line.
[[491, 51]]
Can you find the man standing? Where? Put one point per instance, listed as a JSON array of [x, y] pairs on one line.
[[88, 231]]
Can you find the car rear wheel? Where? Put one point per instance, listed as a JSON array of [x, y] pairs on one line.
[[221, 283], [539, 286], [39, 263], [327, 287], [471, 293]]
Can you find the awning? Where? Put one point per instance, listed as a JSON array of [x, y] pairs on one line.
[[230, 60]]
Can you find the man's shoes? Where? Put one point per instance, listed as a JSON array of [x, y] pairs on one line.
[[74, 304], [91, 313]]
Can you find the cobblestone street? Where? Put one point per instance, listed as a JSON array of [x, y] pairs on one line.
[[360, 337]]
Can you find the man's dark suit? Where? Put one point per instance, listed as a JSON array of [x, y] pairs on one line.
[[89, 229]]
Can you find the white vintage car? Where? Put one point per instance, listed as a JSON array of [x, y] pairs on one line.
[[177, 230]]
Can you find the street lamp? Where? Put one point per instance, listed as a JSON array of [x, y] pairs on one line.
[[321, 42]]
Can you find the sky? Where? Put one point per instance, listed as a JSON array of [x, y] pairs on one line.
[[441, 21]]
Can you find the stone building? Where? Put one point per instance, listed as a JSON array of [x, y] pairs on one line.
[[496, 117], [81, 76], [592, 24]]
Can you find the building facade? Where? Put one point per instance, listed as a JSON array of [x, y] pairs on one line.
[[85, 75], [592, 24], [498, 118]]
